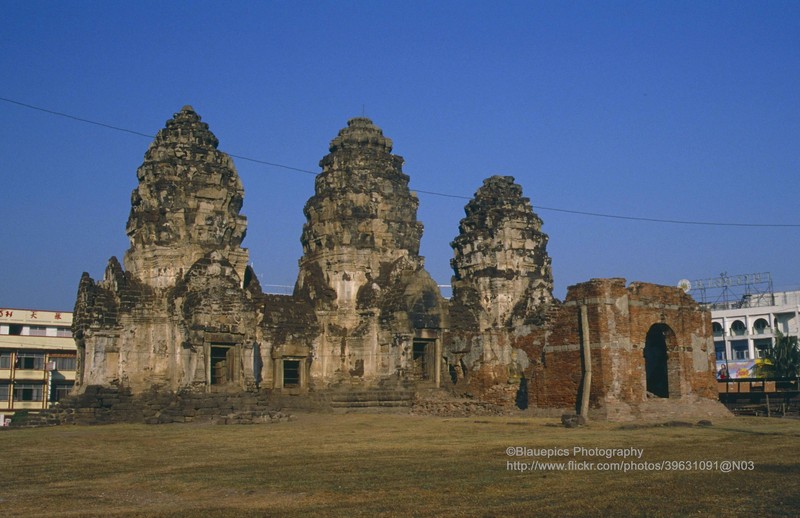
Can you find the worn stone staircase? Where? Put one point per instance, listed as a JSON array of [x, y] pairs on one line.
[[371, 400]]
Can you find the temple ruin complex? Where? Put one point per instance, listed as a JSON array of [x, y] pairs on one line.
[[185, 312]]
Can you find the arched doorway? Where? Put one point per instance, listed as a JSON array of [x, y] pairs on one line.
[[656, 360]]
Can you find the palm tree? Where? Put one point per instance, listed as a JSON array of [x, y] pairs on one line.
[[782, 360]]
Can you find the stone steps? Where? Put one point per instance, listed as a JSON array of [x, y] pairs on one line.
[[378, 399]]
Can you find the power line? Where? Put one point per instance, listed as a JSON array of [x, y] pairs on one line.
[[629, 218], [432, 193], [79, 119], [673, 221], [240, 157], [140, 134]]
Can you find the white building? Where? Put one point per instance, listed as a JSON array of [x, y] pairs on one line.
[[745, 329], [37, 358]]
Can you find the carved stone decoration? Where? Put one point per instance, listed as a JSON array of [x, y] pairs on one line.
[[502, 273], [186, 205], [362, 216]]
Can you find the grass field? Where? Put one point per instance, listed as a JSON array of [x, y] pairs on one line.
[[394, 465]]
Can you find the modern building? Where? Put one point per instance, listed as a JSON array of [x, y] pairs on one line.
[[745, 330], [37, 359]]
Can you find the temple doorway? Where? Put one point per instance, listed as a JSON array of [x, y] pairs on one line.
[[291, 373], [423, 358], [656, 360], [222, 363]]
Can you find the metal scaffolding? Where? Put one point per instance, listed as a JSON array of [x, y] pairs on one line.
[[735, 291]]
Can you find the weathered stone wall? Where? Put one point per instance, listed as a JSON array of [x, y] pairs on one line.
[[511, 343], [289, 330], [111, 404]]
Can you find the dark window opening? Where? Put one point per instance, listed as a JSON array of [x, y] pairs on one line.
[[762, 347], [453, 374], [258, 364], [738, 328], [37, 331], [522, 394], [221, 364], [716, 327], [65, 364], [761, 326], [30, 361], [25, 392], [719, 350], [60, 391], [15, 329], [740, 350], [291, 373], [655, 361]]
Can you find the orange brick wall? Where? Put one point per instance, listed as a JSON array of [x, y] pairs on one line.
[[619, 319]]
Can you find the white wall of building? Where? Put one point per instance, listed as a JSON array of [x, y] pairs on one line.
[[741, 334]]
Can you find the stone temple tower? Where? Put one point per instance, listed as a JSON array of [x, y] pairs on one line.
[[381, 313], [502, 285], [184, 314], [502, 272], [186, 205], [362, 215]]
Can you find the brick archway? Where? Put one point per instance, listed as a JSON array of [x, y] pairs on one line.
[[660, 362]]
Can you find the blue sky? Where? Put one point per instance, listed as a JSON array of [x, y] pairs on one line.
[[667, 110]]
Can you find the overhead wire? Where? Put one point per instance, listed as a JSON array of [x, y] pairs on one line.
[[432, 193]]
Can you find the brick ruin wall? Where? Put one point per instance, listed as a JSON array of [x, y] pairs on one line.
[[619, 320]]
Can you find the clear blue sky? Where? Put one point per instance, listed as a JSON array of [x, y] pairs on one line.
[[668, 110]]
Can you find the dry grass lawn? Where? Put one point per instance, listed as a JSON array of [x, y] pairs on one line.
[[392, 465]]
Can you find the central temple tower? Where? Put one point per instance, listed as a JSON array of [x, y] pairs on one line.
[[381, 313]]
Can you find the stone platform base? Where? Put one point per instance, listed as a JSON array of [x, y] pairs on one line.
[[665, 409], [99, 405]]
